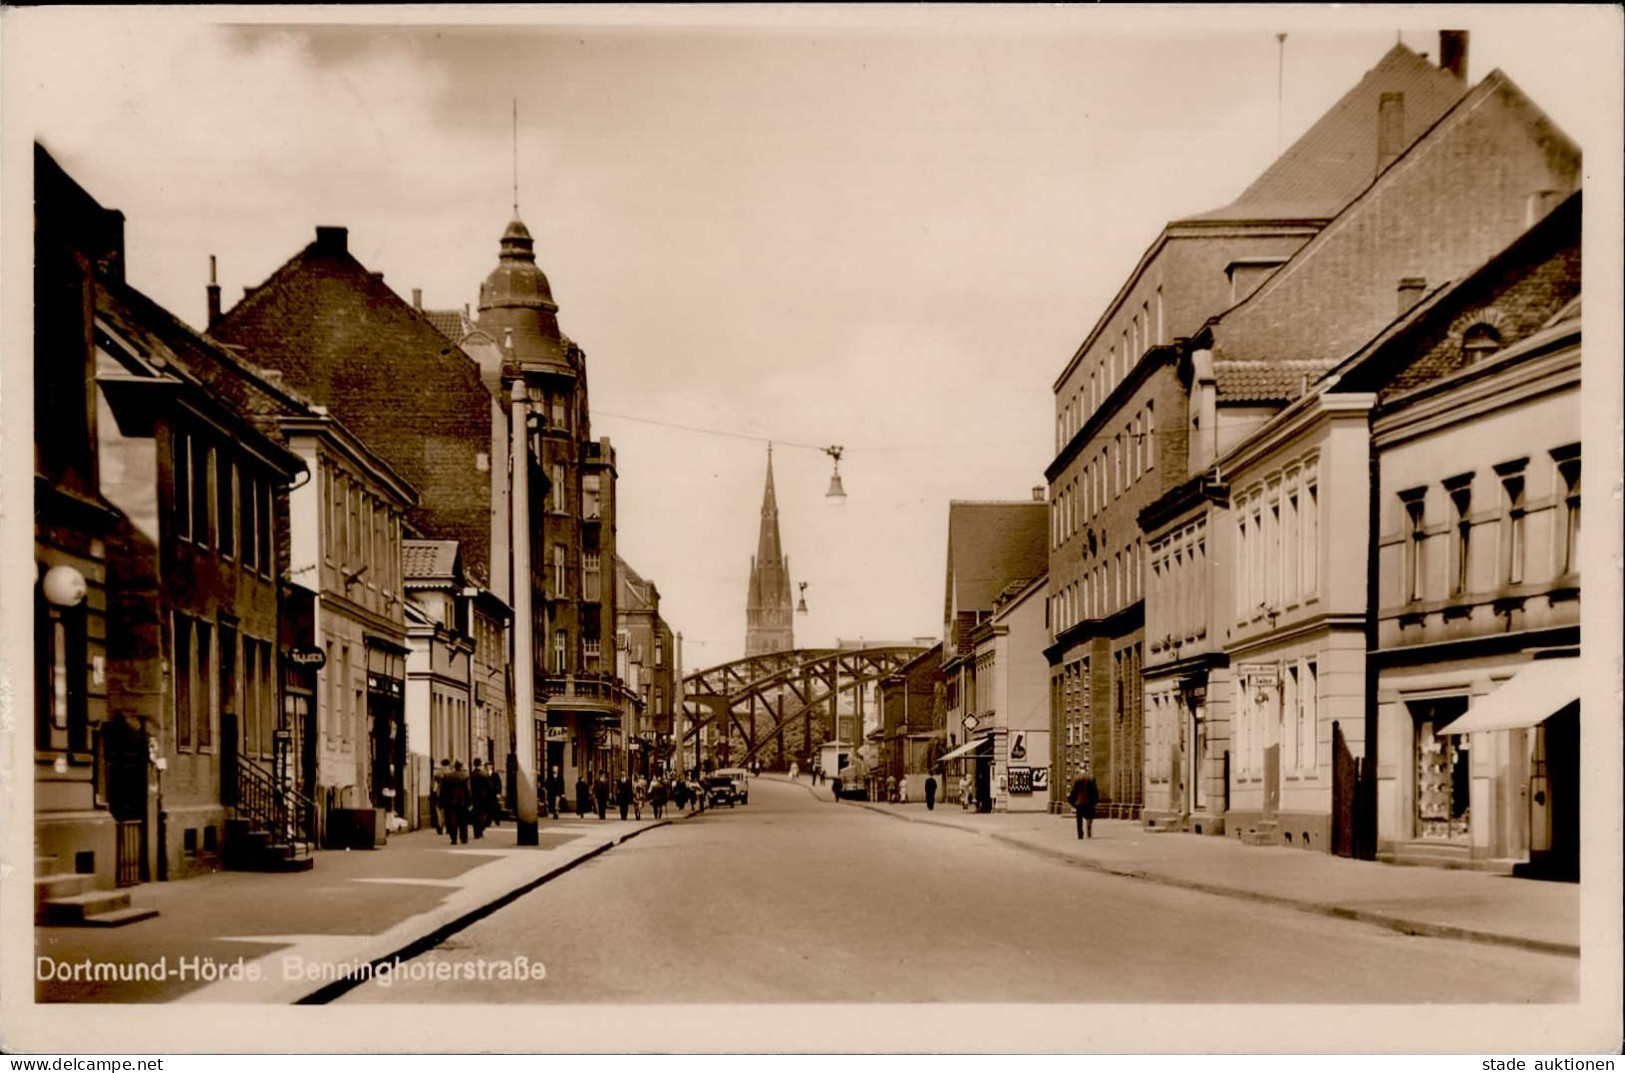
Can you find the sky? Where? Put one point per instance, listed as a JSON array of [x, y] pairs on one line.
[[887, 230]]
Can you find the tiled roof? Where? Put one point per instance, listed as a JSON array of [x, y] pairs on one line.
[[429, 560], [992, 544], [1266, 381], [342, 337], [1336, 158], [448, 322]]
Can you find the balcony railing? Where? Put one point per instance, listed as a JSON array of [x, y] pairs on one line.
[[599, 688]]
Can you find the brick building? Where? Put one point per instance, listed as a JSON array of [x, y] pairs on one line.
[[1120, 405], [1474, 684], [912, 716], [1284, 706]]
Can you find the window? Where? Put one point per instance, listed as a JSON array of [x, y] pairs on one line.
[[225, 510], [227, 679], [181, 455], [561, 642], [556, 492], [1512, 488], [1243, 558], [590, 576], [1568, 473], [1117, 464], [262, 524], [561, 419], [1161, 336], [1255, 580], [201, 455], [1272, 571], [1292, 702], [1309, 711], [1414, 503], [1150, 437], [1309, 560], [558, 571], [1290, 549], [202, 685], [1479, 342], [327, 514], [1461, 498]]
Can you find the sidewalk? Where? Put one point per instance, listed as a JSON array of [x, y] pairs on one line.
[[1473, 906], [353, 907]]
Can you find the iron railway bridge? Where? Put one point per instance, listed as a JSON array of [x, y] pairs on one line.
[[756, 700]]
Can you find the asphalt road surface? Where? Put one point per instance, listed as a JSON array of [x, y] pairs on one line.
[[793, 899]]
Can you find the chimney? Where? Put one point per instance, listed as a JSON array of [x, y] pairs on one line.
[[1390, 129], [332, 240], [213, 290], [1410, 292], [1538, 205], [1453, 52], [1038, 493], [417, 299], [377, 277]]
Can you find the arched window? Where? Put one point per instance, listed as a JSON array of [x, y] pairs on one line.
[[1479, 342]]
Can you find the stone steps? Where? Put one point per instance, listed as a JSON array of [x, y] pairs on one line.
[[72, 899]]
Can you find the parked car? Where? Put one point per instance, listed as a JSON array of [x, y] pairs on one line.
[[741, 781], [720, 790]]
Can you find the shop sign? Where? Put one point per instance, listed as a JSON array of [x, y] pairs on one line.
[[1040, 778], [970, 722], [314, 658], [1021, 780], [558, 733], [1018, 745], [1259, 674]]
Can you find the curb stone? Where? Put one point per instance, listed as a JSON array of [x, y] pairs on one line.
[[1403, 925]]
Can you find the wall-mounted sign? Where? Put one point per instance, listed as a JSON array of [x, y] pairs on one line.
[[314, 658], [970, 722], [1021, 780], [1018, 745], [1040, 778]]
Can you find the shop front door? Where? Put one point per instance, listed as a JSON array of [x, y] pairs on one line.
[[1440, 762]]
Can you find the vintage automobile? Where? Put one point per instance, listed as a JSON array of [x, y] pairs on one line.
[[720, 790], [741, 782]]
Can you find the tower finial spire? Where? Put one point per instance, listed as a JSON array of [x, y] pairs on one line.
[[516, 158]]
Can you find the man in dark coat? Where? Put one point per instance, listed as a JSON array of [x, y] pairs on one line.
[[623, 795], [583, 797], [930, 792], [836, 786], [1084, 797], [600, 794], [479, 797], [454, 803], [555, 792], [657, 797], [493, 810], [436, 808]]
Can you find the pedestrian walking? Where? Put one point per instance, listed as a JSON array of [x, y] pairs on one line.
[[679, 794], [583, 795], [1085, 796], [836, 786], [454, 802], [964, 793], [902, 790], [494, 810], [555, 793], [657, 797], [891, 789], [479, 797], [436, 807], [640, 797], [623, 796], [600, 794]]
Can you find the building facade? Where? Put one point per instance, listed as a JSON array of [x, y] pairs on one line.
[[1012, 696], [1476, 544], [644, 640], [1121, 437]]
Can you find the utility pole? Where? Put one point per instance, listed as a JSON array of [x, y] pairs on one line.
[[682, 711], [524, 716]]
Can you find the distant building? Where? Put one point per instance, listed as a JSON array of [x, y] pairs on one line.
[[769, 605], [1011, 688], [990, 545], [912, 712], [644, 640]]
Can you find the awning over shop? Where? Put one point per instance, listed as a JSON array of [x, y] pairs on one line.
[[1536, 693], [966, 749]]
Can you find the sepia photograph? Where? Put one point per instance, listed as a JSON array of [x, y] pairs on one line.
[[1074, 542]]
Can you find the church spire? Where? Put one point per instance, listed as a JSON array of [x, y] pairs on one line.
[[769, 613]]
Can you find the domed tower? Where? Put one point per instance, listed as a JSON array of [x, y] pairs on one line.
[[563, 523], [516, 304]]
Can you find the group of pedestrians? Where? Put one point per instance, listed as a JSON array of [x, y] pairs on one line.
[[459, 799], [629, 795]]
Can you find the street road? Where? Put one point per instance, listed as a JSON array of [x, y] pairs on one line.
[[794, 899]]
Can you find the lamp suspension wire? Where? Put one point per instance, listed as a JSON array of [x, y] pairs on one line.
[[769, 440]]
